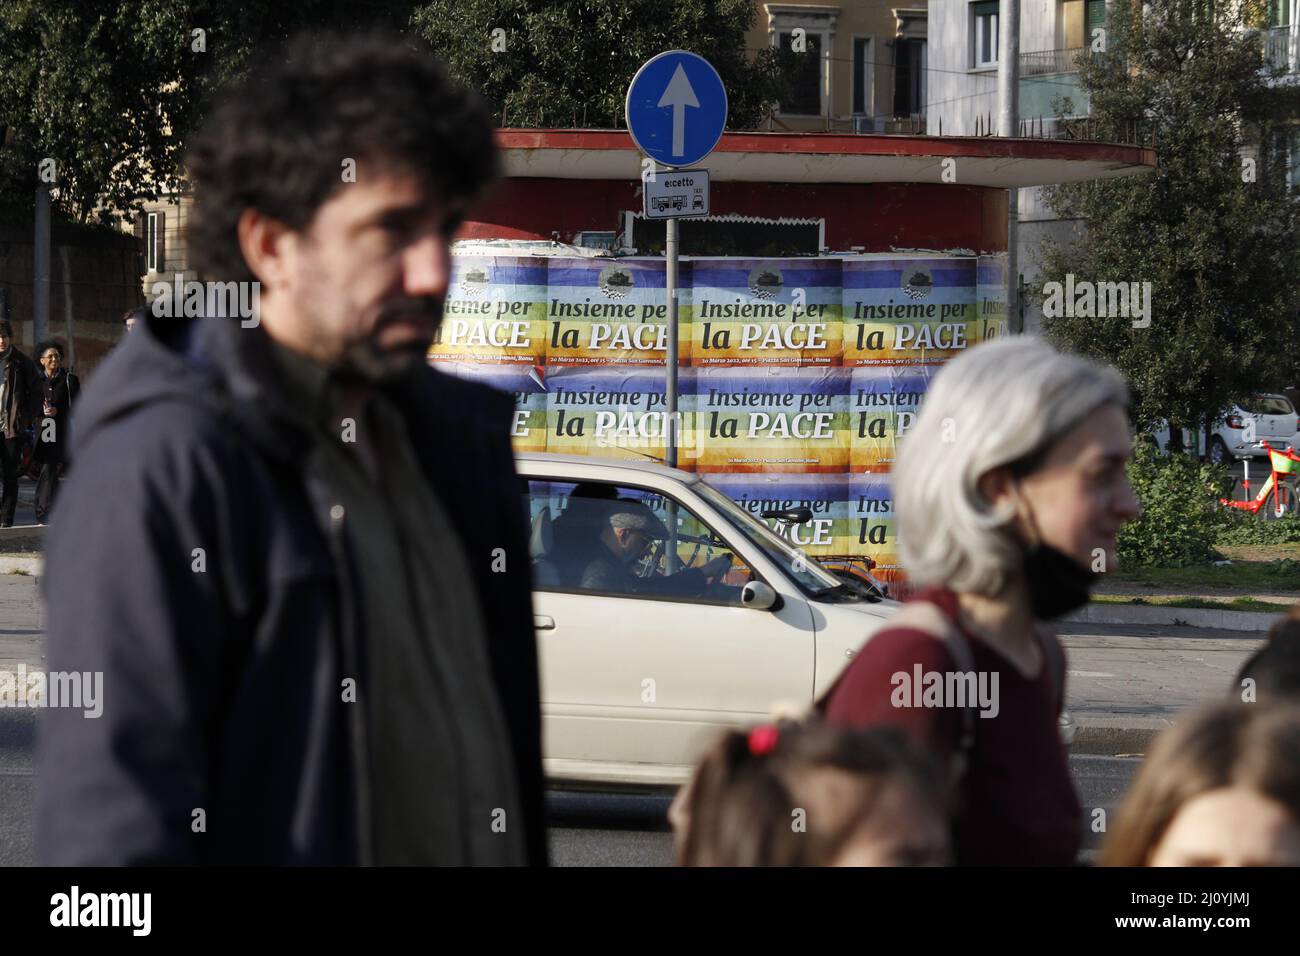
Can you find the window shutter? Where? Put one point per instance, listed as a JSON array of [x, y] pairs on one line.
[[1095, 17], [860, 49], [988, 8], [162, 241], [138, 231]]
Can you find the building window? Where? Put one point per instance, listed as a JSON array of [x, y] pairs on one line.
[[984, 19], [806, 79], [909, 78], [862, 67], [1286, 146], [597, 240], [151, 242]]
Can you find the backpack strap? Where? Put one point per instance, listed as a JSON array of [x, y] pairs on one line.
[[929, 617], [1054, 658]]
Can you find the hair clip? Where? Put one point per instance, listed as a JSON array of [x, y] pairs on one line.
[[762, 739]]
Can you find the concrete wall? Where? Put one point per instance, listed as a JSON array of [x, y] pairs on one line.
[[1031, 235], [94, 278], [958, 93]]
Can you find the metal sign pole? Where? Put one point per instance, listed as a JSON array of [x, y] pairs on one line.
[[670, 385], [670, 359], [676, 109], [1008, 118], [41, 267]]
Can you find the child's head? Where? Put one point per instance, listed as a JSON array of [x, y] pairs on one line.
[[793, 794], [1272, 674], [1221, 788]]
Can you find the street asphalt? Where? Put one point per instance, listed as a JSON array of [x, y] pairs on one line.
[[1125, 683], [586, 829]]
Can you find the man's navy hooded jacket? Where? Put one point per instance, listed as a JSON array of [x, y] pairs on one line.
[[222, 687]]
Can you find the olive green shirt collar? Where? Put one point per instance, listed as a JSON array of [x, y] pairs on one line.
[[308, 387]]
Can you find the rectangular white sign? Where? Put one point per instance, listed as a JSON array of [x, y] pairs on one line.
[[677, 194]]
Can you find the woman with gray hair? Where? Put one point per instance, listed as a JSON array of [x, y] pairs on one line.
[[1009, 492]]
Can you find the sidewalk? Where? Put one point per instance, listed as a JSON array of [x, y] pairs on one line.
[[20, 546], [1150, 611], [1129, 590]]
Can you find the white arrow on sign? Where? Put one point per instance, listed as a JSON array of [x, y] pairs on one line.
[[679, 95]]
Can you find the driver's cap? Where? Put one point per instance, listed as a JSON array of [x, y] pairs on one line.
[[635, 516]]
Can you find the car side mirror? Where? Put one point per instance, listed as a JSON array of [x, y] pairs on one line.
[[759, 596]]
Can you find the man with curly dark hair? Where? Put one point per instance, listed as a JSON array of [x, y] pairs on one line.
[[296, 552]]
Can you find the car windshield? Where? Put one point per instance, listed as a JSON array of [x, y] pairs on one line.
[[1267, 405], [811, 578]]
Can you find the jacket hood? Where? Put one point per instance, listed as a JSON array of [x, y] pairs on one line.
[[211, 363]]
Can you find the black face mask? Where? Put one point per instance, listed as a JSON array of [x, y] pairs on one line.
[[1057, 583]]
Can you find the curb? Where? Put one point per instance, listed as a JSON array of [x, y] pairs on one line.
[[21, 564], [1116, 736], [1158, 616]]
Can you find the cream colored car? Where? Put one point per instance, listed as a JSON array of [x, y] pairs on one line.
[[644, 661]]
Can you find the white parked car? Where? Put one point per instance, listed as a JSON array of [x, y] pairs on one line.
[[1270, 418], [641, 670]]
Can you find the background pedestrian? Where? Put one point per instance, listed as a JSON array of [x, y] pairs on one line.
[[56, 390]]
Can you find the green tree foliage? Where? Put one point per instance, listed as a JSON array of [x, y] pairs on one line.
[[1214, 236], [109, 89], [569, 62]]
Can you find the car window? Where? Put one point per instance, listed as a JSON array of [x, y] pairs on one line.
[[624, 541], [1267, 405], [812, 579]]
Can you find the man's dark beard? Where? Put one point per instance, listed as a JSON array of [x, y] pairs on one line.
[[364, 361]]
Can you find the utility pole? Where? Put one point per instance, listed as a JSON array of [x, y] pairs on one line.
[[1008, 115], [41, 267]]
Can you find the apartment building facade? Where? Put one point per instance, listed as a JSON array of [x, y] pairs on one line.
[[160, 229], [865, 64], [964, 58]]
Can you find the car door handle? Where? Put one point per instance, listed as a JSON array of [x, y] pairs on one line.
[[543, 623]]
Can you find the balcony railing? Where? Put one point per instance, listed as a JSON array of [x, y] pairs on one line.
[[1281, 51], [1050, 61]]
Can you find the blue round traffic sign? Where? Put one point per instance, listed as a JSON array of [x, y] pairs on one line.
[[676, 108]]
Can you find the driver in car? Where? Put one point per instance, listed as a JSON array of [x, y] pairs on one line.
[[632, 529]]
